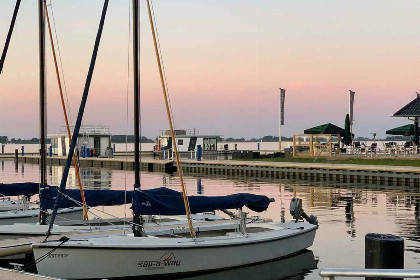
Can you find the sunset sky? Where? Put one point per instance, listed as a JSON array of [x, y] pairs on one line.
[[225, 61]]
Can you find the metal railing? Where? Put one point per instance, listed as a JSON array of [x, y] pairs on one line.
[[180, 132], [332, 273], [88, 129]]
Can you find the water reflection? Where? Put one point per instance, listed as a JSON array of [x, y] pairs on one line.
[[295, 267], [346, 212], [350, 220], [199, 186], [92, 178]]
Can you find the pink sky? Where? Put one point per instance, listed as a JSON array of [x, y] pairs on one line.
[[224, 62]]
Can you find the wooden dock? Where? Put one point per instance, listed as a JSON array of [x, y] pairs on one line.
[[119, 163], [9, 274], [351, 173], [347, 173]]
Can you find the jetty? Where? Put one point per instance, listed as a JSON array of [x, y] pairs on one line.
[[119, 163], [350, 173], [328, 172], [9, 274]]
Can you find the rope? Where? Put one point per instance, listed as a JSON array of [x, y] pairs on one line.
[[175, 148], [126, 109], [63, 240], [61, 63], [76, 166], [161, 59], [90, 209]]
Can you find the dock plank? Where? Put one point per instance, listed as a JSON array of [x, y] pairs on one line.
[[8, 274]]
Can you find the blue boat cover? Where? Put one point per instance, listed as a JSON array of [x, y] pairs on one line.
[[16, 189], [164, 201], [93, 198]]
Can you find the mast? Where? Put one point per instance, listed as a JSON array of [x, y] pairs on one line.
[[42, 96], [9, 35], [136, 93], [76, 130], [137, 219]]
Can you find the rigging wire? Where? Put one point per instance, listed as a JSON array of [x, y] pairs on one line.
[[126, 108], [161, 59], [171, 127], [76, 166], [61, 63]]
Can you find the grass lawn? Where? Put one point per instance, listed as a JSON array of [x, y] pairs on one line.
[[361, 161]]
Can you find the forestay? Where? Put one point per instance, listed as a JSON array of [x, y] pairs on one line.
[[163, 201]]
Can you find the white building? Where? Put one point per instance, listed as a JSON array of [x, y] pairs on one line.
[[93, 137], [187, 140]]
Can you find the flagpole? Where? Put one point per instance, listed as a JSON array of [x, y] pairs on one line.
[[280, 122], [281, 113]]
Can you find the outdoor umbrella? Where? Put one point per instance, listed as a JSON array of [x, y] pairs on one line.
[[327, 128], [405, 130], [347, 135]]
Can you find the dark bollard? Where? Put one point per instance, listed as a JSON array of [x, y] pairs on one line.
[[199, 152], [384, 251], [23, 150], [16, 159], [199, 186], [2, 148], [50, 150]]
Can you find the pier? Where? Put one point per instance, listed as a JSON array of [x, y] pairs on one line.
[[350, 173], [327, 172], [119, 163], [9, 274]]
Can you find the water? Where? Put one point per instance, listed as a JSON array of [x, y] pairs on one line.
[[346, 214]]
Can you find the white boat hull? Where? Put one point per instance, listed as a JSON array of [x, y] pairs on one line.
[[126, 256], [13, 205], [31, 216]]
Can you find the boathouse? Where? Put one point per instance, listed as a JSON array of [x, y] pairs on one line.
[[94, 140], [187, 141]]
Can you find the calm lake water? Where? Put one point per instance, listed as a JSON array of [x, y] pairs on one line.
[[345, 213]]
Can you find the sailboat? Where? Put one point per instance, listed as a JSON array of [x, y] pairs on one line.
[[26, 212], [22, 191], [142, 255]]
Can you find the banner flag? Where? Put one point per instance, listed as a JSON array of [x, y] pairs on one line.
[[352, 93], [282, 99]]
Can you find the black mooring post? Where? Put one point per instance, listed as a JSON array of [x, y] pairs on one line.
[[384, 251], [9, 35], [16, 159], [416, 130], [137, 219], [42, 105], [76, 130]]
